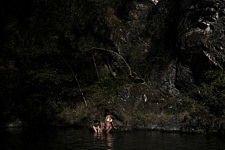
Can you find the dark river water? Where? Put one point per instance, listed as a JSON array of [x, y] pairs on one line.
[[83, 139]]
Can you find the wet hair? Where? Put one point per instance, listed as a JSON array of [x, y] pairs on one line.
[[96, 121]]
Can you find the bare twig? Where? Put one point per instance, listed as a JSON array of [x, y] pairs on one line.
[[82, 94], [93, 57], [132, 74], [115, 54]]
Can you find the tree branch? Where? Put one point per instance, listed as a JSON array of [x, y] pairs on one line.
[[131, 74]]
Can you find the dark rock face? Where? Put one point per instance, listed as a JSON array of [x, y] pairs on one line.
[[201, 37], [189, 40]]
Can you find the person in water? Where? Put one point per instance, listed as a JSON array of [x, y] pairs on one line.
[[109, 123], [98, 127]]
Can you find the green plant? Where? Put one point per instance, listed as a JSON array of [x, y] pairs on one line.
[[213, 92]]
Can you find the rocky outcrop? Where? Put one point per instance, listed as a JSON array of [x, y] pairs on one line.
[[201, 37], [187, 39]]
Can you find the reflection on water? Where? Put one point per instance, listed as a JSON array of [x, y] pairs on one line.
[[82, 139], [109, 140], [105, 140]]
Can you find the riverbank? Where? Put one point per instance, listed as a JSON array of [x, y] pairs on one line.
[[133, 107], [177, 123]]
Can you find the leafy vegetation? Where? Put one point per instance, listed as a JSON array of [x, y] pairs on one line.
[[213, 92]]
